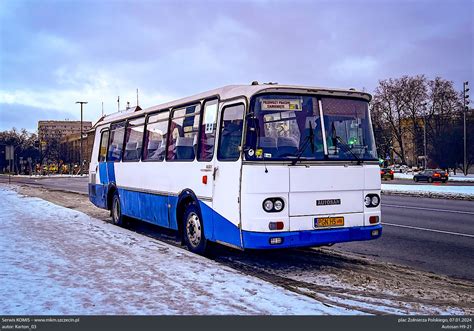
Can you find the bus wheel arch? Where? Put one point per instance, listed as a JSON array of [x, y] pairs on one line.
[[110, 196]]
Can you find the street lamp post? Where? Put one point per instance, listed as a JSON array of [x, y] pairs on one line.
[[80, 152], [464, 108], [425, 158]]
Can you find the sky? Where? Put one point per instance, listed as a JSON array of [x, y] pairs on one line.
[[54, 53]]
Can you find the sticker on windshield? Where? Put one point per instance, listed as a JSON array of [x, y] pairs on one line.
[[281, 104]]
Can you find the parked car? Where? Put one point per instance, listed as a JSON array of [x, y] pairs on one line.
[[431, 175], [401, 168], [386, 173]]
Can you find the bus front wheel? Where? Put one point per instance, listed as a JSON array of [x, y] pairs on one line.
[[194, 230]]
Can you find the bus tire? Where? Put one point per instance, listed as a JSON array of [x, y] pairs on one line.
[[193, 230], [116, 210]]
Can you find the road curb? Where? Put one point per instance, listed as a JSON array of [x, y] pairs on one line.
[[432, 195]]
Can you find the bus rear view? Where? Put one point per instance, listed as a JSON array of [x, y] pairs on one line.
[[310, 173]]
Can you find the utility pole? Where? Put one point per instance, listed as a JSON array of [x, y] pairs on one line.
[[80, 152], [464, 109]]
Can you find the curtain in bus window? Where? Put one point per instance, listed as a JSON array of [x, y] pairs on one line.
[[208, 131], [117, 134], [133, 140], [155, 137], [231, 133], [182, 140]]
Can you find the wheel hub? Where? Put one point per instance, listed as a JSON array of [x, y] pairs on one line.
[[193, 229]]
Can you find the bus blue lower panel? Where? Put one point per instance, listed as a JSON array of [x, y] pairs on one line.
[[261, 240], [98, 195], [147, 207], [154, 209]]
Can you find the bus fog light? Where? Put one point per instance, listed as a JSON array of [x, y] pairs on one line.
[[278, 205], [268, 205], [373, 219], [367, 201], [276, 241], [374, 233]]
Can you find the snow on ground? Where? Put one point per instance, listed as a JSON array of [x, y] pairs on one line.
[[56, 260], [452, 178], [448, 191]]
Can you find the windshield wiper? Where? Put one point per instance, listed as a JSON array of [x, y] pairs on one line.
[[336, 138], [346, 148], [309, 139]]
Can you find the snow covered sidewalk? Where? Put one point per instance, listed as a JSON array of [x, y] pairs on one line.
[[55, 260], [452, 178], [465, 192]]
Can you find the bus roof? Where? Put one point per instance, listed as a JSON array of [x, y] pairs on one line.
[[234, 91]]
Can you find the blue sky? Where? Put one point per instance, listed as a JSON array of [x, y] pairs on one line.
[[54, 53]]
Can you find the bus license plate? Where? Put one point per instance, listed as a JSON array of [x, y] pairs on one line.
[[323, 222]]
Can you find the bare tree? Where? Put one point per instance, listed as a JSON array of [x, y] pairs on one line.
[[389, 108], [444, 129]]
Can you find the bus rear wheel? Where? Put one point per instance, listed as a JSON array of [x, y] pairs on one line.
[[116, 211], [193, 230]]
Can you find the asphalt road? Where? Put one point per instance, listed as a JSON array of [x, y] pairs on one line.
[[71, 184], [432, 235]]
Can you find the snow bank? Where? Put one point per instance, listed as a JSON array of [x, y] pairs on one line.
[[452, 178], [56, 260], [447, 191]]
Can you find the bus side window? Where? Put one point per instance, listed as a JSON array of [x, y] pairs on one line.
[[208, 131], [117, 134], [104, 140], [182, 138], [155, 137], [230, 136], [133, 140]]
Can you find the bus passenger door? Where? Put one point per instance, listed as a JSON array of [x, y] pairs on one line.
[[98, 178], [227, 172]]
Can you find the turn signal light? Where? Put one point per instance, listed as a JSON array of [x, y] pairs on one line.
[[276, 225], [373, 219]]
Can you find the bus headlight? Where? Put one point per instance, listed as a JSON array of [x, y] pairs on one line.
[[273, 205], [268, 205], [367, 201], [375, 200], [278, 205], [371, 200]]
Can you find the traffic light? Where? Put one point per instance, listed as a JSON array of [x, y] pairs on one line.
[[465, 95]]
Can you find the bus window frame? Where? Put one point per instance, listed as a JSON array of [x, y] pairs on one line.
[[170, 118], [145, 130], [123, 141], [125, 136], [100, 144], [203, 103], [220, 131]]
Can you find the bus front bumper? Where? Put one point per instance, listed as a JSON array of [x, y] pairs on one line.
[[261, 240]]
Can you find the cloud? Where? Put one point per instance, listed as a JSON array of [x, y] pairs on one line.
[[53, 53]]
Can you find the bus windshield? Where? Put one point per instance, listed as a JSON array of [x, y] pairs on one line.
[[288, 127]]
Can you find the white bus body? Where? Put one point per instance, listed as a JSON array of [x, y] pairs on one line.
[[208, 166]]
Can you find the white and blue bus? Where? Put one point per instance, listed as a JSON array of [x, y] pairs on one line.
[[257, 166]]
